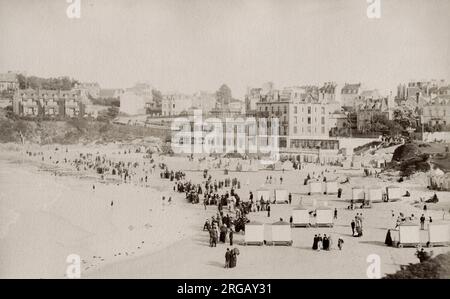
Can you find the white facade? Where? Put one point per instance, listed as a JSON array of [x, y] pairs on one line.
[[176, 104], [132, 104]]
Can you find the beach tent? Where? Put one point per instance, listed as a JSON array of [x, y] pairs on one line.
[[281, 233], [281, 196], [409, 234], [265, 193], [324, 216], [438, 234], [346, 164], [287, 165], [358, 193], [300, 217], [356, 164], [315, 188], [375, 194], [254, 233], [331, 187], [394, 193]]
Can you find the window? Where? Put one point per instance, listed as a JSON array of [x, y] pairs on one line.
[[309, 120], [309, 129], [323, 130], [309, 110], [295, 109], [323, 120], [323, 110], [295, 119], [285, 109]]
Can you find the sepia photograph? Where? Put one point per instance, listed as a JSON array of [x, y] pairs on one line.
[[224, 139]]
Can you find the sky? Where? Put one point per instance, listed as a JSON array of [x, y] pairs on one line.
[[190, 45]]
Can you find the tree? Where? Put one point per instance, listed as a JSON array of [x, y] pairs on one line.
[[223, 95], [406, 117], [157, 96]]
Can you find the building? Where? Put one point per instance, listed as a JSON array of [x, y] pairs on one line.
[[111, 93], [437, 111], [303, 120], [90, 89], [139, 100], [425, 88], [328, 92], [49, 103], [255, 95], [309, 125], [370, 108], [204, 101], [339, 123], [350, 94], [176, 104], [132, 103], [8, 81]]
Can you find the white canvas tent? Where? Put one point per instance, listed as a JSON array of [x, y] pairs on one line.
[[254, 233], [264, 193], [394, 193], [324, 217], [331, 187], [356, 164], [281, 233], [315, 188], [409, 234], [300, 217], [281, 196], [346, 164], [358, 193], [438, 234], [375, 194]]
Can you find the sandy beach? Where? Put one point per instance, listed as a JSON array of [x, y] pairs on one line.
[[123, 230]]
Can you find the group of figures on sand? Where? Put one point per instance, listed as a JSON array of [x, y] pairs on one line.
[[231, 257], [325, 242]]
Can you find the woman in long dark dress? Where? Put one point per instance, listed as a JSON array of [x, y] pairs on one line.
[[316, 240], [233, 259]]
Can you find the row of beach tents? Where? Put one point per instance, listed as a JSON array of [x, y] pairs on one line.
[[408, 234], [358, 193], [280, 232], [373, 194]]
